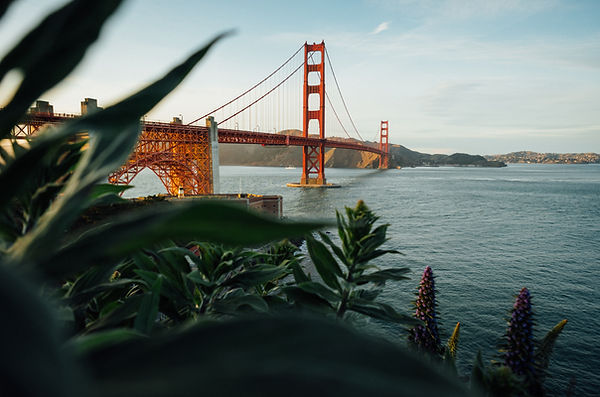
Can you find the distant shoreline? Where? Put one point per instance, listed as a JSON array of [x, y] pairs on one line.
[[527, 157]]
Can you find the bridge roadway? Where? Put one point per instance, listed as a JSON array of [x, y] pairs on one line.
[[260, 138], [225, 135]]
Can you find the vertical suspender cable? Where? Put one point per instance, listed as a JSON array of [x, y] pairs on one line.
[[340, 92]]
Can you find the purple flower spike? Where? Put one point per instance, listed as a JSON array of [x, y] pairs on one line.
[[519, 337], [426, 337]]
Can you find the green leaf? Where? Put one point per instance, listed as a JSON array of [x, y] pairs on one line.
[[102, 189], [382, 276], [256, 276], [261, 357], [146, 316], [198, 278], [381, 311], [113, 134], [86, 344], [49, 52], [179, 258], [148, 276], [203, 220], [369, 256], [367, 294], [125, 311], [88, 280], [299, 275], [336, 250], [237, 303], [319, 290], [37, 166], [324, 262], [306, 299], [143, 261], [106, 194], [83, 297], [478, 374], [544, 349], [33, 363], [452, 344]]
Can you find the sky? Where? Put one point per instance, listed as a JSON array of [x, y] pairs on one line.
[[471, 76]]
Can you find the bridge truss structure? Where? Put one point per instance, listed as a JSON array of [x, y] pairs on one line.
[[181, 154]]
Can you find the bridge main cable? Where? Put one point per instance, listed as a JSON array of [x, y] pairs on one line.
[[251, 88], [264, 95], [341, 96]]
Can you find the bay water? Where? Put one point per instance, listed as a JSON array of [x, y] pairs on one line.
[[486, 232]]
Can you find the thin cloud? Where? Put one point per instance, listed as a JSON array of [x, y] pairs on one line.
[[381, 27]]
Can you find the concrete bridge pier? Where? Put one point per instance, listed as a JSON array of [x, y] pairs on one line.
[[213, 133]]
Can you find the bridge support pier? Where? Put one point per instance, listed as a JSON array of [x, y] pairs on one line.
[[213, 133]]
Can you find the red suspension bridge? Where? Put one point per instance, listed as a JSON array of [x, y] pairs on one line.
[[185, 156]]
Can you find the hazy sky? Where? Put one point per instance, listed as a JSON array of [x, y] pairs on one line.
[[475, 76]]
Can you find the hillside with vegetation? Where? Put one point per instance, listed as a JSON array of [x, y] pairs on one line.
[[400, 156]]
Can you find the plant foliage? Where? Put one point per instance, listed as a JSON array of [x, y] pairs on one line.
[[350, 282], [129, 307]]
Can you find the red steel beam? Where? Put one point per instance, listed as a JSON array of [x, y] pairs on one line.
[[188, 133]]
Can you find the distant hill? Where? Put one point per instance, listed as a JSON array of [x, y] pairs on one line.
[[400, 156], [404, 157], [546, 158]]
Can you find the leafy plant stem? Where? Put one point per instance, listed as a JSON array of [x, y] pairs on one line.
[[343, 304]]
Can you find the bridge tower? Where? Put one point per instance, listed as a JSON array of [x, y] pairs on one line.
[[313, 157], [383, 145]]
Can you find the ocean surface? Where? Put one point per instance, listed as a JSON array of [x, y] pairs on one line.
[[486, 233]]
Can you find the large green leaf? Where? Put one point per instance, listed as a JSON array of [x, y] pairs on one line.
[[299, 275], [83, 296], [203, 220], [319, 290], [113, 133], [337, 250], [381, 311], [294, 356], [240, 302], [324, 262], [256, 276], [303, 299], [32, 362], [106, 193], [49, 52], [122, 312], [146, 316], [103, 339], [32, 169], [382, 276]]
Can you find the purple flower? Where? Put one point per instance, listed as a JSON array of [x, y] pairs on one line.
[[426, 337], [518, 354]]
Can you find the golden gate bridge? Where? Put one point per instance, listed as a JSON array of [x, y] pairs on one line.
[[185, 156]]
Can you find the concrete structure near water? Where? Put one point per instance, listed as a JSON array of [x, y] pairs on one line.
[[266, 204]]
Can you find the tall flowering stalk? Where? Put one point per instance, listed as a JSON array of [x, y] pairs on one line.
[[519, 352], [426, 337]]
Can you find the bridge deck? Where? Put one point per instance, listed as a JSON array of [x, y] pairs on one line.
[[225, 135]]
